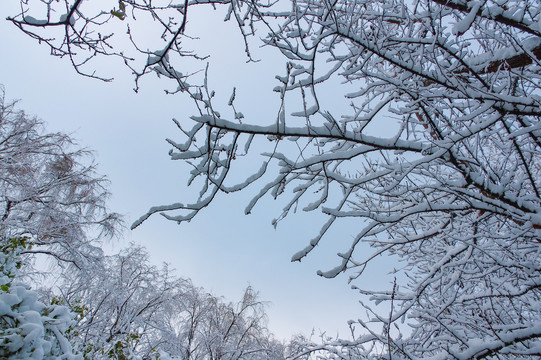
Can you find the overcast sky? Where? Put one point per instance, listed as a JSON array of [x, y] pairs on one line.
[[221, 250]]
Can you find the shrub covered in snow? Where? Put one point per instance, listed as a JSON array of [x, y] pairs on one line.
[[29, 329]]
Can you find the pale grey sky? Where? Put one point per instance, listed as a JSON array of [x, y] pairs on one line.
[[221, 250]]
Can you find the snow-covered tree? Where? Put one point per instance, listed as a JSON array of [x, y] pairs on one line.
[[450, 187], [50, 203], [48, 193], [130, 309], [121, 303]]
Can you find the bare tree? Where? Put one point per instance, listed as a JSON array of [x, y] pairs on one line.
[[451, 190]]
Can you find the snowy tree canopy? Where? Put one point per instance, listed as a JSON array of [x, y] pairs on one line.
[[452, 188], [130, 309], [49, 193]]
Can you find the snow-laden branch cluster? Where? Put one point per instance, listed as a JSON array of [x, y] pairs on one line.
[[452, 187], [141, 34]]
